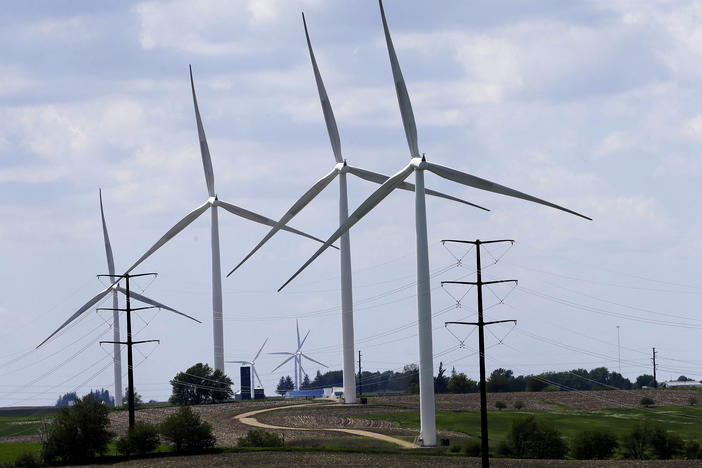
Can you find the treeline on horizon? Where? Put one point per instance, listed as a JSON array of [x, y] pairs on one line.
[[500, 380]]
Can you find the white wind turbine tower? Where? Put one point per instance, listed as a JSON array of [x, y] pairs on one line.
[[117, 355], [212, 203], [298, 355], [340, 169], [418, 164], [253, 368]]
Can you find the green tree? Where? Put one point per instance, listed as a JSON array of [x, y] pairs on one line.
[[500, 405], [200, 384], [645, 380], [529, 438], [460, 383], [306, 383], [186, 432], [78, 433], [284, 384], [595, 444], [519, 404], [500, 381], [138, 402], [140, 439], [651, 440], [441, 381]]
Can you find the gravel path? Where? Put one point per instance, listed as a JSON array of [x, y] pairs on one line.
[[247, 418]]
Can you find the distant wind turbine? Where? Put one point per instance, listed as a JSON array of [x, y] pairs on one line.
[[212, 203], [418, 164], [298, 355], [253, 368], [340, 169]]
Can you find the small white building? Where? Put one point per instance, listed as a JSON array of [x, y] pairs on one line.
[[681, 384]]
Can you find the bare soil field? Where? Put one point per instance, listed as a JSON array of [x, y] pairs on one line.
[[326, 459]]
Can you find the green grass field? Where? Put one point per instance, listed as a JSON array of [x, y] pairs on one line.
[[9, 451], [685, 421]]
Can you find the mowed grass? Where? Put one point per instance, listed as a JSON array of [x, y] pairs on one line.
[[685, 421], [9, 451]]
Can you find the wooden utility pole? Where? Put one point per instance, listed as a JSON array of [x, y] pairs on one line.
[[360, 376], [484, 446], [655, 382]]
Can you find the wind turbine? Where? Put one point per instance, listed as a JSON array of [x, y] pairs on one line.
[[253, 367], [418, 164], [117, 355], [340, 169], [298, 355], [212, 203]]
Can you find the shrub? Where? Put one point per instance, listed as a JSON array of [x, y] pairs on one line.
[[692, 401], [500, 405], [27, 460], [597, 444], [258, 438], [529, 438], [651, 440], [519, 404], [140, 439], [471, 447], [646, 401], [78, 433], [692, 450], [186, 432], [551, 388], [454, 448]]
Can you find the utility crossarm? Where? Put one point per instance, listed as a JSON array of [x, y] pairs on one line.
[[124, 310], [133, 342], [478, 283], [476, 323], [478, 242]]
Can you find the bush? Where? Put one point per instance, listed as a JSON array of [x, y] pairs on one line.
[[500, 405], [140, 439], [692, 401], [258, 438], [186, 432], [529, 438], [78, 433], [597, 444], [646, 401], [27, 460], [472, 448], [519, 404], [692, 450], [651, 440]]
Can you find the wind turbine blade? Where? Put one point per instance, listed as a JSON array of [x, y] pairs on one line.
[[98, 297], [179, 226], [304, 200], [380, 178], [332, 130], [250, 215], [238, 362], [204, 149], [108, 247], [299, 347], [402, 95], [259, 351], [302, 370], [483, 184], [281, 364], [307, 357], [297, 327], [363, 209], [257, 377], [283, 352], [154, 303]]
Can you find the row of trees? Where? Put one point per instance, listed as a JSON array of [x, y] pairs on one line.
[[500, 380]]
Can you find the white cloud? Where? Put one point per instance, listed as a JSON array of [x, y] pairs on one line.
[[613, 143], [14, 80]]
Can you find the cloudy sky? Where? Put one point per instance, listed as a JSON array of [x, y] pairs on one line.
[[593, 105]]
